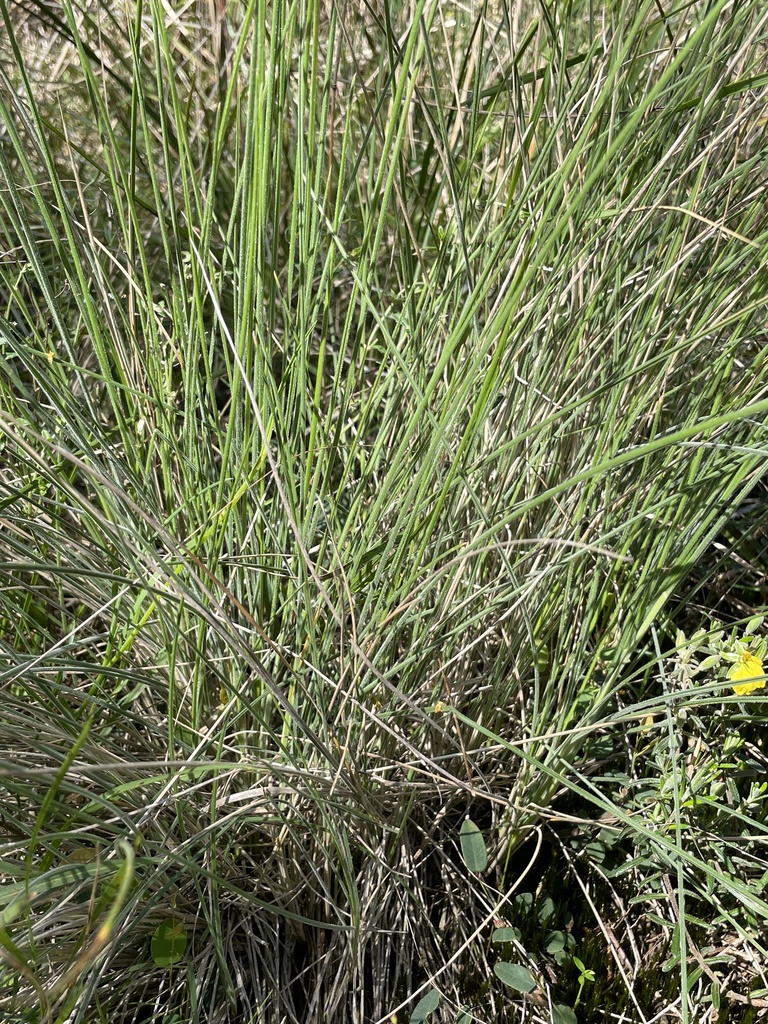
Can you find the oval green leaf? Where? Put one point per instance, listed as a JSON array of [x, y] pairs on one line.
[[83, 854], [507, 934], [562, 1014], [473, 846], [515, 976], [546, 910], [524, 901], [426, 1005], [169, 942]]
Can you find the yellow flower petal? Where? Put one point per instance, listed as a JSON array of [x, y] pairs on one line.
[[749, 667]]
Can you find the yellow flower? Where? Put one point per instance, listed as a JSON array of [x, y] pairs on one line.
[[747, 668]]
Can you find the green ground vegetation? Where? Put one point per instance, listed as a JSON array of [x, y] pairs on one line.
[[383, 511]]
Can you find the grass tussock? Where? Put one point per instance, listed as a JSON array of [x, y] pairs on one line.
[[382, 404]]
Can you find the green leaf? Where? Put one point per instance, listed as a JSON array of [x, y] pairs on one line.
[[169, 942], [473, 848], [754, 624], [515, 976], [546, 910], [562, 1014], [715, 994], [506, 935], [710, 662], [464, 1017], [426, 1005], [524, 901], [83, 854], [595, 851], [554, 942]]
